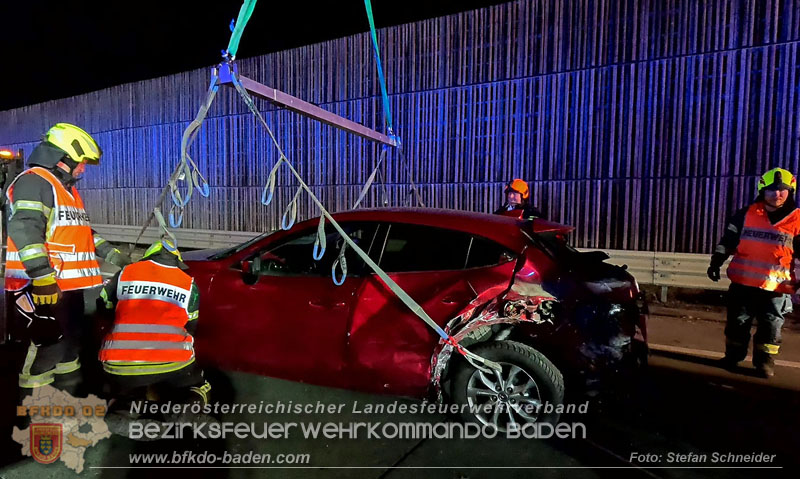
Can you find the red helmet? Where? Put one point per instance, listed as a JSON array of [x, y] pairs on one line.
[[520, 186]]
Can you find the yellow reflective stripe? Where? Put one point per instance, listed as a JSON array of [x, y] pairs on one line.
[[202, 391], [104, 297], [28, 380], [51, 228], [36, 250], [125, 368], [193, 316], [29, 358], [36, 381], [68, 367], [31, 206], [98, 241], [768, 348]]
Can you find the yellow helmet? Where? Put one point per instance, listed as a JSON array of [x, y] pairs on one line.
[[777, 178], [75, 142], [158, 246]]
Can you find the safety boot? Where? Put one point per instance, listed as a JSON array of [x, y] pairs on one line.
[[765, 367], [729, 363]]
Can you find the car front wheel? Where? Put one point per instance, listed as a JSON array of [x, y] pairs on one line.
[[527, 390]]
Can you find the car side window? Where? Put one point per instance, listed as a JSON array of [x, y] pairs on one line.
[[294, 256], [484, 252], [423, 248]]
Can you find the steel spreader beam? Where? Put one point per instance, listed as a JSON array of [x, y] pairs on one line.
[[284, 100]]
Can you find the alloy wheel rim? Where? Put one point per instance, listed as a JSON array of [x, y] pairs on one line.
[[506, 400]]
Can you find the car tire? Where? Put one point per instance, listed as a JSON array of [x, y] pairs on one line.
[[528, 378]]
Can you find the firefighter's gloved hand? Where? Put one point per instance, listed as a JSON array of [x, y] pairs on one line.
[[713, 273], [45, 290], [118, 258]]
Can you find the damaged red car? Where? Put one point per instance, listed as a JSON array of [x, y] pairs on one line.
[[510, 290]]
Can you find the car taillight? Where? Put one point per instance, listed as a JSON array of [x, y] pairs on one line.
[[641, 322]]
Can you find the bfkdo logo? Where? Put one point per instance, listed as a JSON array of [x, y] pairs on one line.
[[46, 441]]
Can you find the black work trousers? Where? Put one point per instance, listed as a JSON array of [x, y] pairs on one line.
[[178, 386], [54, 333], [767, 308]]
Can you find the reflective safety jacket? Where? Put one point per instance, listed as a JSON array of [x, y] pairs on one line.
[[69, 242], [763, 257], [152, 309]]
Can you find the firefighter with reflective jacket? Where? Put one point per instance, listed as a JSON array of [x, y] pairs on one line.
[[516, 201], [764, 239], [52, 256], [149, 350]]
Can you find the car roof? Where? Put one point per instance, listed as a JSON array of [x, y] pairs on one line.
[[495, 227]]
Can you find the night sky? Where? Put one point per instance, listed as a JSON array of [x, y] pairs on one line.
[[56, 49]]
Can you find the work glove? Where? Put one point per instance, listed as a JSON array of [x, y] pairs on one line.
[[45, 290], [118, 258], [713, 273]]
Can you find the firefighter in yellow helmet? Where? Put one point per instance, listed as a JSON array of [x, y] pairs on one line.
[[52, 256], [764, 239], [516, 196]]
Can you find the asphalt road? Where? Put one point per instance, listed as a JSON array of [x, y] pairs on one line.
[[670, 423]]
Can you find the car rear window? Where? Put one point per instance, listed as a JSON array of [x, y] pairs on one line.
[[555, 244]]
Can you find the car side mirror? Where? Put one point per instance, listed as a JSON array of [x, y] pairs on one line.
[[250, 270]]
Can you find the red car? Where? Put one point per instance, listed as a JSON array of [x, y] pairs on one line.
[[510, 290]]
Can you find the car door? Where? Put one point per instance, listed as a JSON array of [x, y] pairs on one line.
[[285, 317], [389, 347]]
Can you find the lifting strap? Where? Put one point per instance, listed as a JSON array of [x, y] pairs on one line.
[[476, 361]]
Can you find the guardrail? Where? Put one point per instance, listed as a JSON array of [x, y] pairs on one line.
[[648, 267], [187, 238], [684, 270]]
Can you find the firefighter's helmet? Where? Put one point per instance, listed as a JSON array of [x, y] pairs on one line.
[[520, 186], [76, 143], [777, 178]]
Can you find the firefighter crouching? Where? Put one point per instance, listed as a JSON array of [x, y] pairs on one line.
[[764, 239], [148, 353]]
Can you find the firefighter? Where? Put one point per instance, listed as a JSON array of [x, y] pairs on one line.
[[52, 256], [149, 351], [764, 239], [516, 201]]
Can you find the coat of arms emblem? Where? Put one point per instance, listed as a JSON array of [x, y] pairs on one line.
[[46, 442]]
